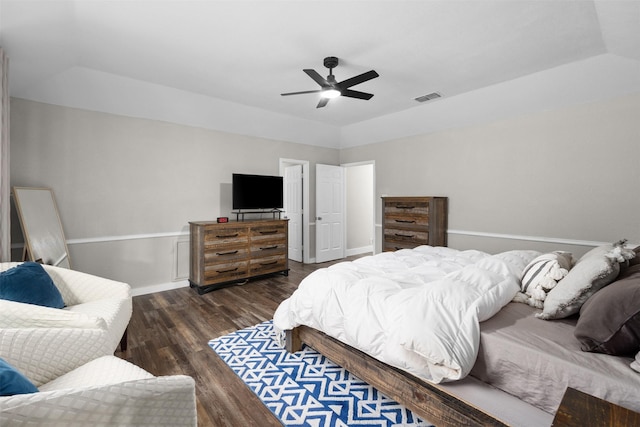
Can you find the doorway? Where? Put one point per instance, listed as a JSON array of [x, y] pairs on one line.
[[360, 236]]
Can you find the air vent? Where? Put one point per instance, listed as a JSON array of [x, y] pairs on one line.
[[429, 97]]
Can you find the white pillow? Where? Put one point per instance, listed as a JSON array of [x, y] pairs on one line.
[[541, 275], [595, 270]]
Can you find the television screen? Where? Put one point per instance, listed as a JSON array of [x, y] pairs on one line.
[[257, 191]]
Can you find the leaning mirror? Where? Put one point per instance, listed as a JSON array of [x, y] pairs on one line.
[[41, 226]]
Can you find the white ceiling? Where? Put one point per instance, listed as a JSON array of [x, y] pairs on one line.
[[243, 54]]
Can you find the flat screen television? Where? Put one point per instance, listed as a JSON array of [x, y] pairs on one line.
[[257, 191]]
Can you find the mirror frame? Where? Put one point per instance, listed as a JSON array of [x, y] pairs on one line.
[[38, 237]]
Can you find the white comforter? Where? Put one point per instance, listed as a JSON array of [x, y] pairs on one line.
[[418, 310]]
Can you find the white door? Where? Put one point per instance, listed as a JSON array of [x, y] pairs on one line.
[[330, 214], [293, 209]]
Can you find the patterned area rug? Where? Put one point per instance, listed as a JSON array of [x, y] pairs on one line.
[[305, 388]]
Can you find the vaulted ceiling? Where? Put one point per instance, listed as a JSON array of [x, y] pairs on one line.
[[239, 56]]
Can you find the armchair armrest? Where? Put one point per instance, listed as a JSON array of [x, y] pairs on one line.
[[77, 287], [154, 401]]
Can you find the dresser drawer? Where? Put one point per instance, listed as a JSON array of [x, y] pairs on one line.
[[420, 237], [417, 207], [406, 221], [270, 232], [225, 271], [268, 264], [268, 248], [218, 236], [222, 254]]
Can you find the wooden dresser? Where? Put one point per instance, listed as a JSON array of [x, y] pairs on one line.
[[408, 222], [226, 253]]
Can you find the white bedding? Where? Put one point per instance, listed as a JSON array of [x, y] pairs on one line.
[[418, 310]]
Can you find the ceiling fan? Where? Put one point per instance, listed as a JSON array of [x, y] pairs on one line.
[[330, 88]]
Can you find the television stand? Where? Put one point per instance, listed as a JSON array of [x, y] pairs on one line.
[[240, 213]]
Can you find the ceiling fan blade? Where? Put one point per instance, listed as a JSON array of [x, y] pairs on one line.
[[300, 93], [357, 79], [356, 94], [316, 77], [323, 102]]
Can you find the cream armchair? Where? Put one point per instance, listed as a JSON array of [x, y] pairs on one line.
[[107, 391], [93, 322]]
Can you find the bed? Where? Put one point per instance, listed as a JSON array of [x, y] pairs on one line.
[[437, 330]]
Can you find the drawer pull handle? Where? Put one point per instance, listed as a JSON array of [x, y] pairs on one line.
[[226, 271], [406, 221], [269, 263], [227, 253], [269, 232], [404, 235], [269, 247], [405, 207], [226, 236]]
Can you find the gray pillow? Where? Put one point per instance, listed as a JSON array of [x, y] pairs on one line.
[[610, 320], [592, 272]]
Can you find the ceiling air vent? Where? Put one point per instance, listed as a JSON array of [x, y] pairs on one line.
[[429, 97]]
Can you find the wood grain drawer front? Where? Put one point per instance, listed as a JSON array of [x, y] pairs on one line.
[[406, 208], [406, 221], [268, 264], [224, 254], [419, 237], [218, 236], [271, 232], [268, 248], [225, 271]]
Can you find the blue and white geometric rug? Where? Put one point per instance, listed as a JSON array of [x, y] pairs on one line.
[[305, 388]]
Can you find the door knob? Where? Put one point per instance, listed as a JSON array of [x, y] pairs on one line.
[[319, 218]]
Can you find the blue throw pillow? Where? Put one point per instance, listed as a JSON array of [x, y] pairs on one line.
[[29, 283], [14, 382]]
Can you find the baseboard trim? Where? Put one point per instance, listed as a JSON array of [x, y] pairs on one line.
[[358, 251], [161, 287]]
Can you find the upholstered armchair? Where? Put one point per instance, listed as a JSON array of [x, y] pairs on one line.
[[93, 321], [107, 391]]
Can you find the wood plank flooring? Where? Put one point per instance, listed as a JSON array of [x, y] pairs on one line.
[[169, 332]]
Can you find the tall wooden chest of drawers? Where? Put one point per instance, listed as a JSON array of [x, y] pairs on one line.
[[408, 222], [224, 253]]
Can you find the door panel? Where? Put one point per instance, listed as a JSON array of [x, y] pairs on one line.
[[330, 214], [293, 209]]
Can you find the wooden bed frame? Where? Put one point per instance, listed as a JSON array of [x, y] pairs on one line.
[[426, 400], [436, 405]]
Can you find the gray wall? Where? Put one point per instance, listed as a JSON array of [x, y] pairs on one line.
[[126, 188], [567, 174]]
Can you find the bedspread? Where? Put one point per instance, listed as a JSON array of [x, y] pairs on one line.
[[415, 309]]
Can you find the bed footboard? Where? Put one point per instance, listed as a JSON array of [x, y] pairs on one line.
[[424, 399]]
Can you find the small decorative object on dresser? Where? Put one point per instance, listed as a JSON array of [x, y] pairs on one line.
[[227, 253], [408, 222]]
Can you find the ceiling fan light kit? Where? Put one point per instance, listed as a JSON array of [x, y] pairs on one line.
[[330, 88], [330, 93]]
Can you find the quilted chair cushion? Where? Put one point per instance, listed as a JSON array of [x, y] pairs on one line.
[[43, 354], [29, 283], [106, 392]]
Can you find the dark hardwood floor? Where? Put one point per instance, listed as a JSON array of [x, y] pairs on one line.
[[169, 332]]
